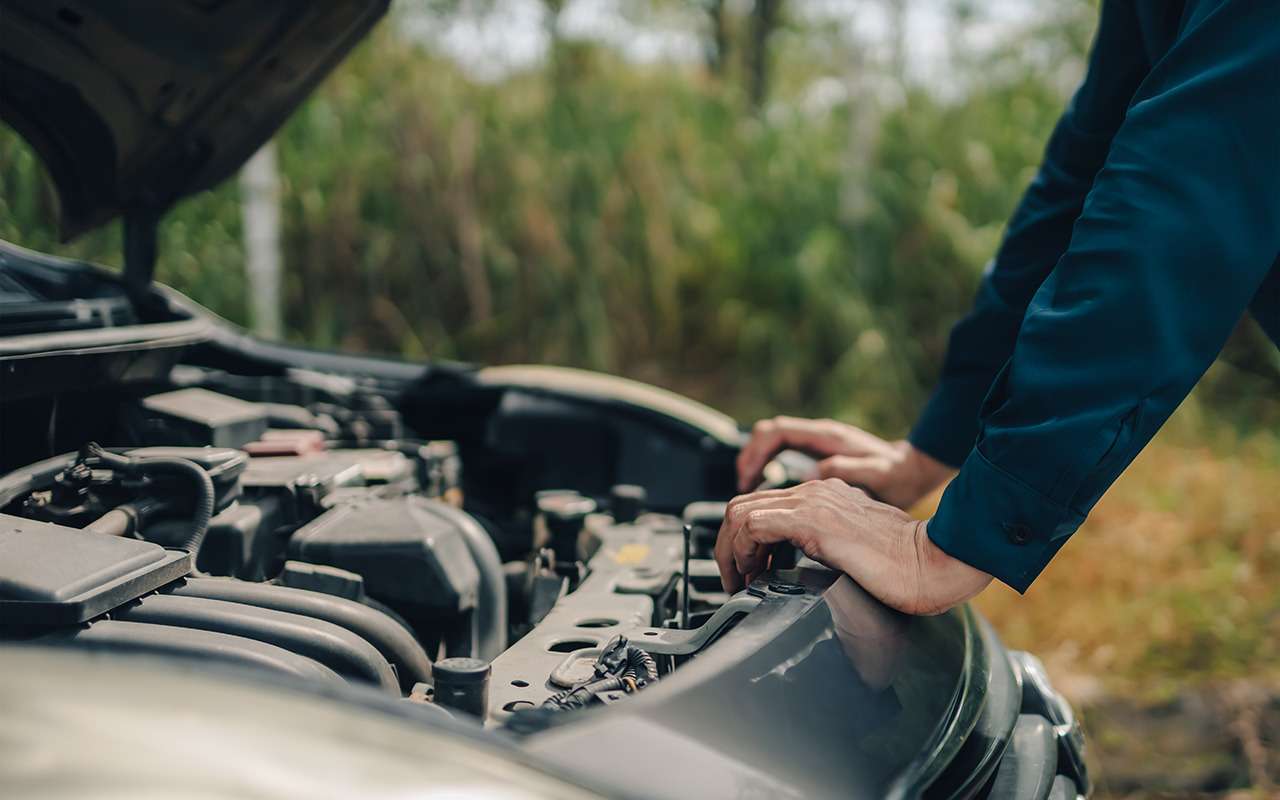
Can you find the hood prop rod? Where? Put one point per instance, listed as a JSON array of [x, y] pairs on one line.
[[140, 225]]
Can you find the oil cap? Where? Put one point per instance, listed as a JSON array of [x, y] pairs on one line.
[[626, 501], [462, 684], [565, 513]]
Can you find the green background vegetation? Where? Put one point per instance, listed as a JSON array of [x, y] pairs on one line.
[[706, 228]]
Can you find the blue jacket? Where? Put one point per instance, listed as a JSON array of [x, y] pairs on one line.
[[1151, 227]]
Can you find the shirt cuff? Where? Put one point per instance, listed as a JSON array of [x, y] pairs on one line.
[[992, 521]]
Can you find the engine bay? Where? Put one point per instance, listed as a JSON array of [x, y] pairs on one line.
[[524, 547], [295, 522]]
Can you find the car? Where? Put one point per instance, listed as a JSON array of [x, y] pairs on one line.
[[234, 567]]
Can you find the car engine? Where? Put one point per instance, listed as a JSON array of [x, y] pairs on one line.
[[292, 523]]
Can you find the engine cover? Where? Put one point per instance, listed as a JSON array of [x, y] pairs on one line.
[[53, 575]]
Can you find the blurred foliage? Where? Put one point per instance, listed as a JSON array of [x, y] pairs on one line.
[[806, 257]]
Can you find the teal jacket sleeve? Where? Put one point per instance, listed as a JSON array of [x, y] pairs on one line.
[[1036, 236], [1175, 239]]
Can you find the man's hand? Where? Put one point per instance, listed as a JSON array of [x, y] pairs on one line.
[[885, 551], [894, 472]]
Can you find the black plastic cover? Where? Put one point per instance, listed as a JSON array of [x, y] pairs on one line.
[[52, 575], [408, 549], [198, 417]]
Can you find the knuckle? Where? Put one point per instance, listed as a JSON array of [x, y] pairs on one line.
[[808, 541], [732, 513]]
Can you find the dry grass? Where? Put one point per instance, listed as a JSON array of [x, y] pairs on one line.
[[1160, 608], [1175, 578]]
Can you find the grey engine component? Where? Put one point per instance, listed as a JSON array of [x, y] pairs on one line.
[[632, 578], [338, 561], [348, 516], [52, 575], [425, 558]]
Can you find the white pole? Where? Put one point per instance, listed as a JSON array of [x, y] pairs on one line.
[[260, 213]]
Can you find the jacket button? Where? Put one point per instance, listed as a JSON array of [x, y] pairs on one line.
[[1017, 532]]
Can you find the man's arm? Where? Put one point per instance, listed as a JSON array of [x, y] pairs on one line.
[[1176, 237], [1036, 237]]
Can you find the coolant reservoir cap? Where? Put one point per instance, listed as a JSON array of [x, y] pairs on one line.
[[460, 670]]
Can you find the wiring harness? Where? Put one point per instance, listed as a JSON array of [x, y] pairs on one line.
[[621, 666]]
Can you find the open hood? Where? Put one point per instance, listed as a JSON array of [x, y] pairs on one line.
[[134, 104]]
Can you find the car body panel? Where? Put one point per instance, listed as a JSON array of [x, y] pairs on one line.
[[79, 723], [134, 105], [816, 694]]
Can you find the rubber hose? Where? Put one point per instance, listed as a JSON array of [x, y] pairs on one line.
[[119, 521], [179, 466]]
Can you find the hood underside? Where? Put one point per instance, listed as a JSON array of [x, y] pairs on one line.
[[134, 105]]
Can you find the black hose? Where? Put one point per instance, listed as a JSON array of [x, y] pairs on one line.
[[128, 518], [119, 521], [395, 643], [174, 466]]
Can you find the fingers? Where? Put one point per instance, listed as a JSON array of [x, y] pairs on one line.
[[761, 528], [752, 525], [856, 470], [876, 544], [866, 472], [769, 436], [765, 442], [730, 578]]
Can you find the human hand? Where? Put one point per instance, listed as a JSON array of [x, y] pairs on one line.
[[877, 545], [895, 472]]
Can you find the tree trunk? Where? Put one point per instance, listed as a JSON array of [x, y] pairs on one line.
[[765, 16], [260, 214], [716, 50], [469, 230]]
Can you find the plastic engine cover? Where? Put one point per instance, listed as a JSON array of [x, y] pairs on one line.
[[408, 549], [53, 575]]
